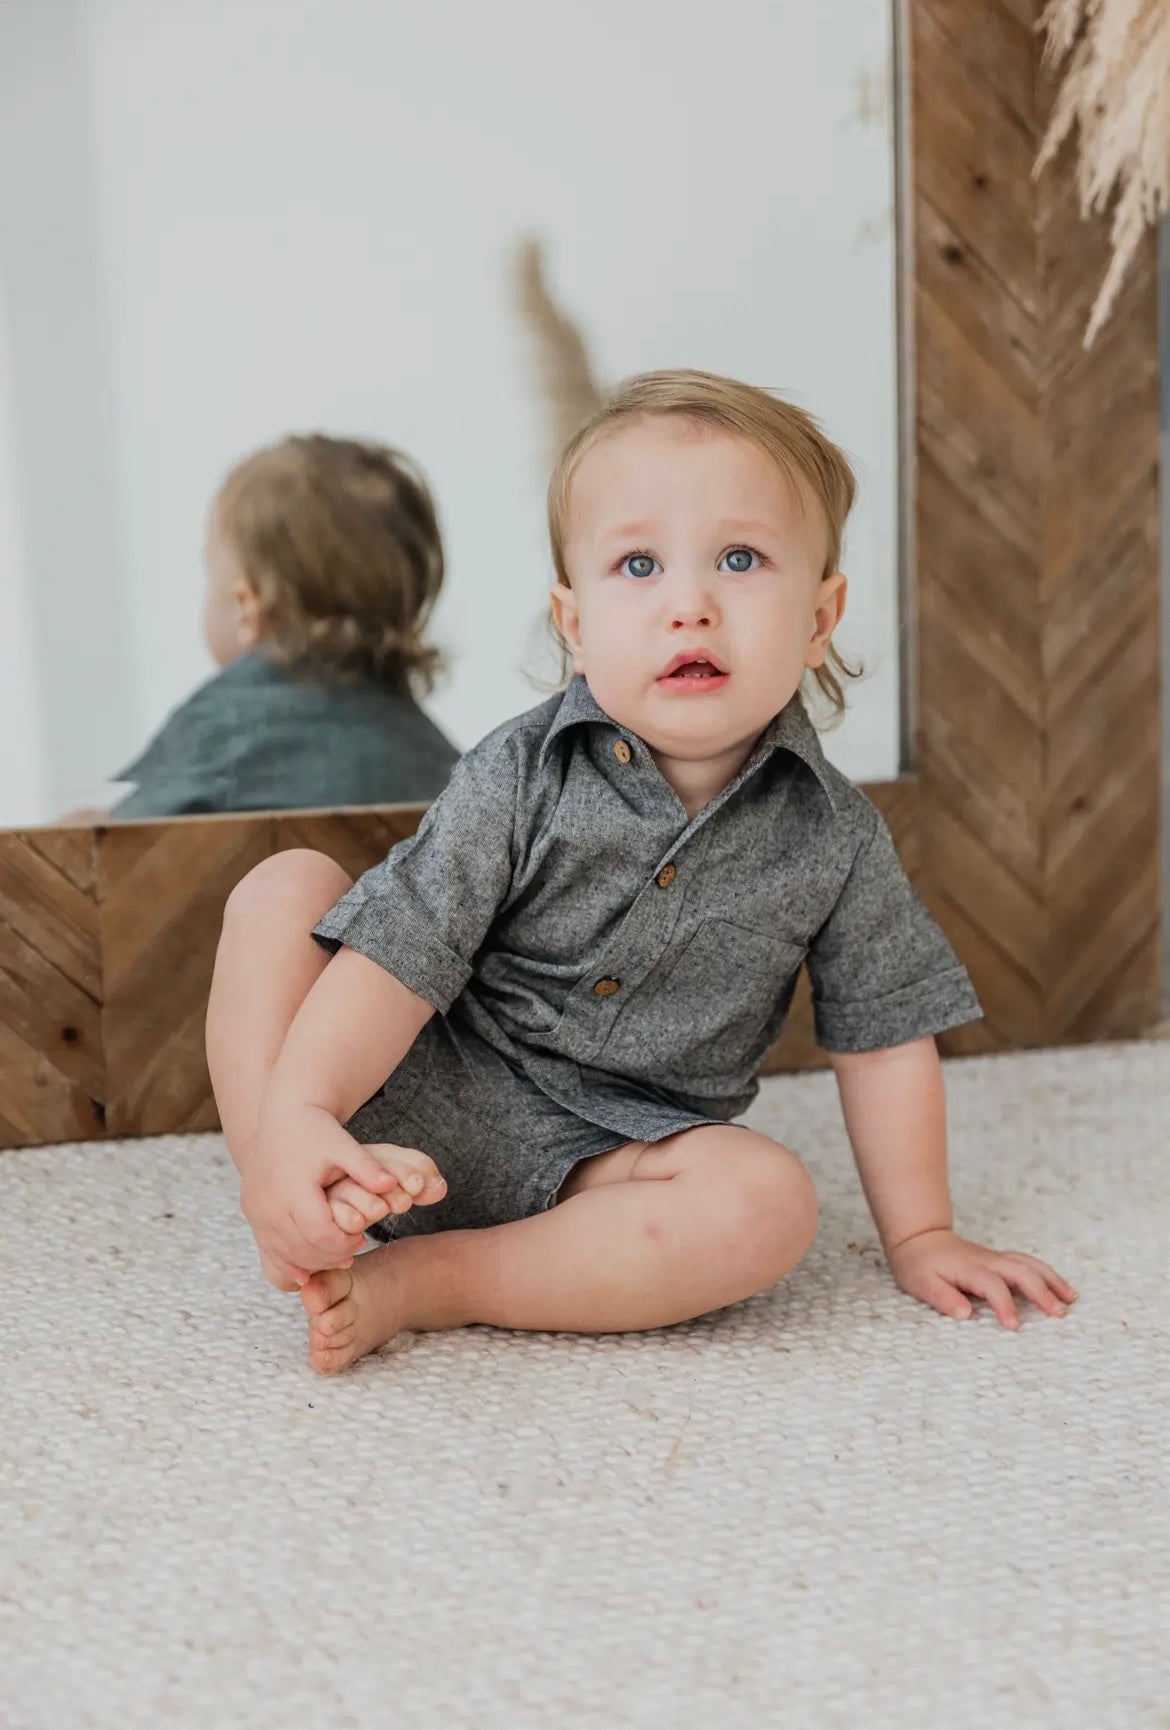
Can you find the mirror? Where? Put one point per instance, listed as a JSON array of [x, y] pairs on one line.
[[221, 226]]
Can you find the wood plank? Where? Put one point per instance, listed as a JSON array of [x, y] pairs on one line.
[[163, 889], [1083, 738], [1119, 1007], [69, 850], [1000, 50], [51, 1059], [1009, 913], [972, 159], [45, 908], [355, 840], [978, 430], [990, 322]]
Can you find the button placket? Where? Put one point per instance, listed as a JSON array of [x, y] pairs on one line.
[[587, 1029]]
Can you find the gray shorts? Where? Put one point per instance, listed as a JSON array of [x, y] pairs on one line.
[[504, 1146]]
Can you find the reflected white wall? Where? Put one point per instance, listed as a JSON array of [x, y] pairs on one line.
[[57, 460]]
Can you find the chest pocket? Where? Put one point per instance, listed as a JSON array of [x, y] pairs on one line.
[[721, 1003]]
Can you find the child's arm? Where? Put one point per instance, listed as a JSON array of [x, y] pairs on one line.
[[895, 1113], [353, 1029]]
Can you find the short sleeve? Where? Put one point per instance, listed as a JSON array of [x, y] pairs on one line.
[[425, 911], [882, 972]]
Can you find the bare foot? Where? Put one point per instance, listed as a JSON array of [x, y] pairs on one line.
[[352, 1310]]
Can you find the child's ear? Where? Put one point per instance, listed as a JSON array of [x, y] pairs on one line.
[[830, 607], [246, 607], [567, 620]]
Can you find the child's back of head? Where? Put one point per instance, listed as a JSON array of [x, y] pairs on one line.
[[326, 554]]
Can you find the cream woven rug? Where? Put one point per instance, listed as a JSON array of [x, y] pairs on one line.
[[829, 1507]]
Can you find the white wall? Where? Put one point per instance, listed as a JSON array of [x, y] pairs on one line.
[[303, 212]]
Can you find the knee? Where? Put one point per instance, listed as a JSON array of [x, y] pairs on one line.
[[771, 1209], [298, 878]]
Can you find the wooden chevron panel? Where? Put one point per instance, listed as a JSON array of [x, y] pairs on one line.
[[51, 1059], [1037, 538], [107, 944]]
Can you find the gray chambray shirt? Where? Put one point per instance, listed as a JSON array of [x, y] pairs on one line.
[[557, 901]]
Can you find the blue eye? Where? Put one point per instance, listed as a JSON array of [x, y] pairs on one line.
[[639, 559], [740, 553]]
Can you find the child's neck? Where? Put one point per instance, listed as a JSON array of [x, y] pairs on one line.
[[698, 780]]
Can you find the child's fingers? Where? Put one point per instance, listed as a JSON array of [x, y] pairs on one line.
[[324, 1243], [353, 1207], [945, 1298], [1059, 1285], [1035, 1286], [990, 1286]]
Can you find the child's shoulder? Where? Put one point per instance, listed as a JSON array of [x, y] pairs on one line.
[[832, 803]]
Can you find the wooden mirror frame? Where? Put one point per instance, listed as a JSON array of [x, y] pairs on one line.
[[1031, 819]]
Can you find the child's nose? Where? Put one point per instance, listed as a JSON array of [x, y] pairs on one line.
[[691, 603]]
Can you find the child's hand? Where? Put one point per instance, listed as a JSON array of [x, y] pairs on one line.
[[419, 1179], [938, 1267], [299, 1151]]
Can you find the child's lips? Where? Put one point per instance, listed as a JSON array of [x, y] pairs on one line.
[[692, 683], [691, 660]]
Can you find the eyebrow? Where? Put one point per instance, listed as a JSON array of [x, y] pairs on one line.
[[627, 530]]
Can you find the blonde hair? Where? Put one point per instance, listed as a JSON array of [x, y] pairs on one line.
[[790, 436], [340, 542]]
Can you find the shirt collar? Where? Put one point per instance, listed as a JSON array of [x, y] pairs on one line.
[[790, 730]]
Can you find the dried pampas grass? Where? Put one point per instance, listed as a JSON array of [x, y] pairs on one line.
[[570, 391], [1116, 89]]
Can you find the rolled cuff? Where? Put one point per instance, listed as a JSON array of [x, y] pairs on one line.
[[927, 1007], [400, 941]]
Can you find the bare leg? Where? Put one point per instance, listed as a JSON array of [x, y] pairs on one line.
[[265, 967], [644, 1237]]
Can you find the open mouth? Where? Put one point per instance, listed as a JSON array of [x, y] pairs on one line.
[[693, 670]]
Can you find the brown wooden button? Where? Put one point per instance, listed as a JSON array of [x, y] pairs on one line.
[[622, 751], [666, 876], [607, 987]]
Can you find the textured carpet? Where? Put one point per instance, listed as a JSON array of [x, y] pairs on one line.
[[827, 1507]]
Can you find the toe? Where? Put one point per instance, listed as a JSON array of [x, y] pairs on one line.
[[328, 1359], [336, 1320], [322, 1290]]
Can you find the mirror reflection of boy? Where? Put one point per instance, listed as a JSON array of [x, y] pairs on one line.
[[324, 561]]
